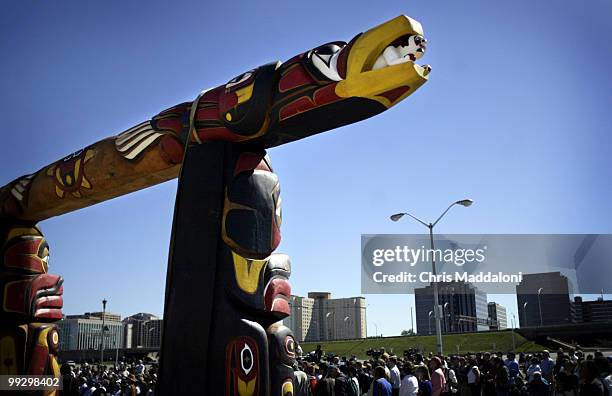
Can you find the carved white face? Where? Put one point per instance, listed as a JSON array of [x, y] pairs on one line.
[[415, 48], [408, 50]]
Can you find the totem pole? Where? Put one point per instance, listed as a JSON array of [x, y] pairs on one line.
[[226, 291]]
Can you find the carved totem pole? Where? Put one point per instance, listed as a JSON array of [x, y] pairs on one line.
[[226, 290]]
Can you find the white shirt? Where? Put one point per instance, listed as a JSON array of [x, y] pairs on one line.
[[471, 377], [410, 386], [394, 377], [356, 381]]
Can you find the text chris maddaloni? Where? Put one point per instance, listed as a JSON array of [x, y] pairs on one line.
[[427, 277]]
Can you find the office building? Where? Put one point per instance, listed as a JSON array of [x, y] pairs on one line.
[[319, 317], [152, 333], [134, 329], [599, 310], [543, 299], [81, 332], [462, 307], [497, 316]]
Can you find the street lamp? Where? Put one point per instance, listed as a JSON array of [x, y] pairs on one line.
[[513, 328], [102, 331], [429, 321], [430, 226], [375, 329], [540, 304], [525, 312], [346, 322], [329, 330], [447, 315], [149, 342]]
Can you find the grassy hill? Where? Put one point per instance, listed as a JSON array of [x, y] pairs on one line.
[[453, 343]]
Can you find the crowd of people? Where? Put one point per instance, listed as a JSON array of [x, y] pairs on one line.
[[385, 374], [478, 374], [123, 379]]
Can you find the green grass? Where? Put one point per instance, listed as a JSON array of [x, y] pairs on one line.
[[467, 342]]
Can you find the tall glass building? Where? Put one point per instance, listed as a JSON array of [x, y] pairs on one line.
[[463, 308]]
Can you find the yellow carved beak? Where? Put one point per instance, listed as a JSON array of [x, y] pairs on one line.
[[388, 85]]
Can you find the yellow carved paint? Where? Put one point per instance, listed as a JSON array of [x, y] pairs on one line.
[[247, 272]]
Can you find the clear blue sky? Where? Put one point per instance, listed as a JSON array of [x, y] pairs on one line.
[[516, 116]]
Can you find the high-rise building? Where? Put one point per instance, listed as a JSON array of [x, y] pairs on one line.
[[301, 319], [319, 317], [153, 333], [599, 310], [78, 332], [497, 316], [134, 329], [543, 299], [462, 307]]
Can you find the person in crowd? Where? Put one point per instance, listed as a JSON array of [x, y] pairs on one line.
[[340, 380], [452, 384], [325, 385], [603, 366], [381, 386], [538, 386], [353, 385], [534, 367], [139, 368], [410, 384], [365, 377], [438, 382], [474, 378], [425, 386], [513, 366], [502, 377], [301, 383], [394, 375], [547, 365], [590, 384]]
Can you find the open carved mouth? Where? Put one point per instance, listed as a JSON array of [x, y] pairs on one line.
[[407, 48]]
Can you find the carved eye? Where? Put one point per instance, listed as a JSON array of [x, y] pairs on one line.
[[290, 345], [246, 359], [240, 79]]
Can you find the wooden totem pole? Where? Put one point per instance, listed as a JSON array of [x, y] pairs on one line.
[[226, 289]]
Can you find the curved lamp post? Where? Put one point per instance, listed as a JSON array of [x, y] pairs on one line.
[[540, 304], [430, 226], [346, 327], [102, 332]]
